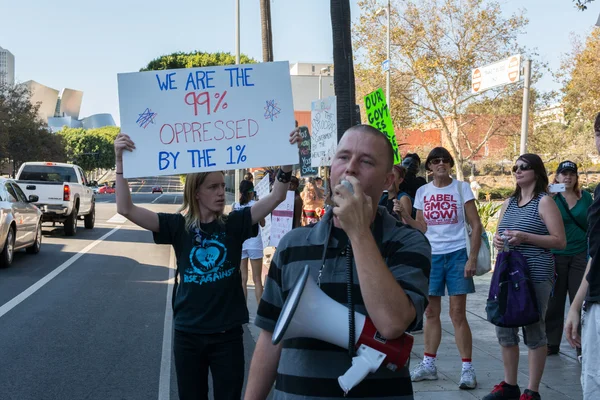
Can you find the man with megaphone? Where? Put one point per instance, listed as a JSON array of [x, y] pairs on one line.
[[357, 258]]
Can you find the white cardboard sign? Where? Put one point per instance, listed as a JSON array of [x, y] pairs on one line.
[[282, 218], [207, 119], [262, 189], [323, 117]]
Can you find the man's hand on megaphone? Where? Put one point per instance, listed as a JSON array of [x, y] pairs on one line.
[[353, 211]]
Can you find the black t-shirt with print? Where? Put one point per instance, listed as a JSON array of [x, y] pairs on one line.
[[209, 298]]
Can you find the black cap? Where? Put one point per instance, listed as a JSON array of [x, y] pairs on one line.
[[566, 166]]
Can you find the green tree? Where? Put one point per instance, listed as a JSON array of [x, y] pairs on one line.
[[194, 59], [436, 44], [581, 79], [90, 149], [23, 136]]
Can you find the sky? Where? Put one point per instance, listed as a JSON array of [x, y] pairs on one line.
[[84, 45]]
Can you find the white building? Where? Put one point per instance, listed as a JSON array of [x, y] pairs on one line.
[[7, 67], [307, 78], [59, 109]]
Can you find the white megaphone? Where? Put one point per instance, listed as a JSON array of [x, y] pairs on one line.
[[308, 312]]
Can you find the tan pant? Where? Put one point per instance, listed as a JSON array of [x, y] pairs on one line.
[[590, 348]]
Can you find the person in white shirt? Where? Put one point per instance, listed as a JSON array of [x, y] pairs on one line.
[[475, 187], [441, 215], [252, 248]]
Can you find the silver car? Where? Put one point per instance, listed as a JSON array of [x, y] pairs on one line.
[[20, 222]]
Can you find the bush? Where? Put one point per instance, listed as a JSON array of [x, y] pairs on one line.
[[591, 187], [501, 193]]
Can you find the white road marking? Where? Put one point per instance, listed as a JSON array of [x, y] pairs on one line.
[[117, 219], [39, 284], [154, 201], [164, 383]]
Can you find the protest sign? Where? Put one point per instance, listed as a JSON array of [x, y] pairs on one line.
[[282, 218], [323, 117], [378, 115], [262, 189], [305, 158], [207, 119]]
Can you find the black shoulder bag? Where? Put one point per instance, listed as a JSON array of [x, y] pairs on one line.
[[566, 206]]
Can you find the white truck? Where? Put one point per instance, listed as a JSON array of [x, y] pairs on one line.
[[63, 193]]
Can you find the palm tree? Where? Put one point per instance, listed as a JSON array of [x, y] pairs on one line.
[[343, 78], [267, 34]]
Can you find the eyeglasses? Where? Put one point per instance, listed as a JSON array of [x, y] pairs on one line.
[[436, 161], [522, 167]]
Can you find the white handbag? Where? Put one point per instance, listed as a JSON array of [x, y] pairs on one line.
[[484, 257]]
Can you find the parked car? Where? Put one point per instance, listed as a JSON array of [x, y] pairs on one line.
[[157, 189], [63, 193], [20, 222], [106, 190]]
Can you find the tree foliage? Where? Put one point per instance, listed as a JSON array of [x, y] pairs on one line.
[[90, 149], [23, 136], [581, 79], [193, 60], [582, 4], [435, 46]]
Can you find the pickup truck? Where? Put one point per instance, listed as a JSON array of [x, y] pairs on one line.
[[62, 191]]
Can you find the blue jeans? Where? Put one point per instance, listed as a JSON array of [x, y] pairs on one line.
[[448, 270]]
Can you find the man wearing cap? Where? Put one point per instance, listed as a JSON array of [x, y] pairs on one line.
[[589, 340]]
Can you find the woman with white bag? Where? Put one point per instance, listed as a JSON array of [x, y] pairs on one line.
[[444, 207]]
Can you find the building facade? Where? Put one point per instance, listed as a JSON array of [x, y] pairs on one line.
[[7, 67], [60, 109]]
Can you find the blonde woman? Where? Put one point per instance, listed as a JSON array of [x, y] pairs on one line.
[[209, 305], [314, 201]]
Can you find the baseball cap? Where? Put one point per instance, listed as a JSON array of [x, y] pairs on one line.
[[566, 166]]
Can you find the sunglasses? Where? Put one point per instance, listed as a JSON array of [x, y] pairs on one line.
[[522, 167], [436, 161]]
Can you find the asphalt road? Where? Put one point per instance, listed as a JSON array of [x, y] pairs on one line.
[[89, 316]]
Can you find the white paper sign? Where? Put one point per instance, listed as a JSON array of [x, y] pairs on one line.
[[207, 119], [282, 218], [323, 117], [501, 73], [262, 189]]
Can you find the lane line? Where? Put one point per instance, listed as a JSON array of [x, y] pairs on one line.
[[39, 284], [164, 383], [154, 201], [117, 219]]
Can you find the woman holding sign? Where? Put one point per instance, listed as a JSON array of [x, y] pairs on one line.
[[209, 307]]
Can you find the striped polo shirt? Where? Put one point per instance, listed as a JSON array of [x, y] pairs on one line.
[[527, 219], [309, 368]]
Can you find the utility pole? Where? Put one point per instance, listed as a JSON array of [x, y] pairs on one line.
[[525, 114], [237, 172]]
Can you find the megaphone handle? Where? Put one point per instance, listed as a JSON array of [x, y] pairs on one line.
[[367, 361]]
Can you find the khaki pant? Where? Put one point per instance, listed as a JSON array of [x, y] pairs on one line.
[[590, 349]]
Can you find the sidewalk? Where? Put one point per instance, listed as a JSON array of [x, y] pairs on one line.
[[559, 382]]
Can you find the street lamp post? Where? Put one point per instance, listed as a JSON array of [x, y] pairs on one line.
[[380, 12], [321, 72]]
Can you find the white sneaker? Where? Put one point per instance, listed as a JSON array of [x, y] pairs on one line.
[[468, 380], [423, 373]]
